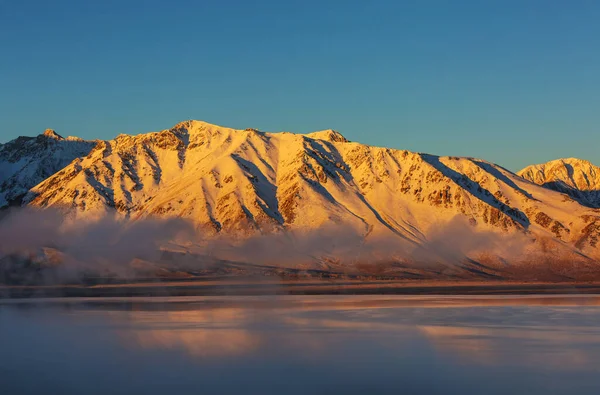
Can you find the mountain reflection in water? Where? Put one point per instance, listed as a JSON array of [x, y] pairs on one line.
[[328, 344]]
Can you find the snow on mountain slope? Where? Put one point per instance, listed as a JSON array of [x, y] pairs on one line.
[[27, 161], [578, 178], [246, 182]]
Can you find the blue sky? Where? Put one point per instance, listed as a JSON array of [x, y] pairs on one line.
[[514, 82]]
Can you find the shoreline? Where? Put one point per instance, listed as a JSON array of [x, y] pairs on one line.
[[258, 287]]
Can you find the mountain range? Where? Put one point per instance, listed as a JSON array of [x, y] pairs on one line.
[[471, 216]]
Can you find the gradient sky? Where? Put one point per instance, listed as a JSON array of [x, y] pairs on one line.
[[514, 82]]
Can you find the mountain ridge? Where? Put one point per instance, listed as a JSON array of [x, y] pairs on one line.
[[247, 184]]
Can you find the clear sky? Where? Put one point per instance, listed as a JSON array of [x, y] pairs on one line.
[[514, 82]]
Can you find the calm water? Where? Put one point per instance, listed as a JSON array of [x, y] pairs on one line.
[[302, 345]]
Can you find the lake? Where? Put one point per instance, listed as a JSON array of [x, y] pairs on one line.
[[301, 345]]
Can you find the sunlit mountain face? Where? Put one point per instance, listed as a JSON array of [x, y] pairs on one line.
[[577, 178], [229, 199]]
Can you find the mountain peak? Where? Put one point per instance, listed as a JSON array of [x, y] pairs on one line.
[[570, 161], [568, 166], [194, 124], [50, 133], [578, 178], [328, 135], [27, 161]]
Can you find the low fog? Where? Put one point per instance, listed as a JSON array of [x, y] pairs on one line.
[[39, 246]]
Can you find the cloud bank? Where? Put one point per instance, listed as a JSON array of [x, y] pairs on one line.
[[35, 242]]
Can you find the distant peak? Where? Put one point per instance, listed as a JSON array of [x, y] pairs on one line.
[[195, 124], [559, 162], [52, 134], [328, 135], [575, 161]]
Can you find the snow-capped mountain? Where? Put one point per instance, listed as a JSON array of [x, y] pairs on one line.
[[27, 161], [247, 182], [578, 178]]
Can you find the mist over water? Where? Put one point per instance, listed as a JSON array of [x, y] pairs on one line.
[[126, 249], [299, 345]]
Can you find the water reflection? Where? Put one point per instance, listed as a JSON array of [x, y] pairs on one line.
[[549, 347], [326, 344], [205, 333]]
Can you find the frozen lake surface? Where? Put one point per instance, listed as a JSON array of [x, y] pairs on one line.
[[301, 345]]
